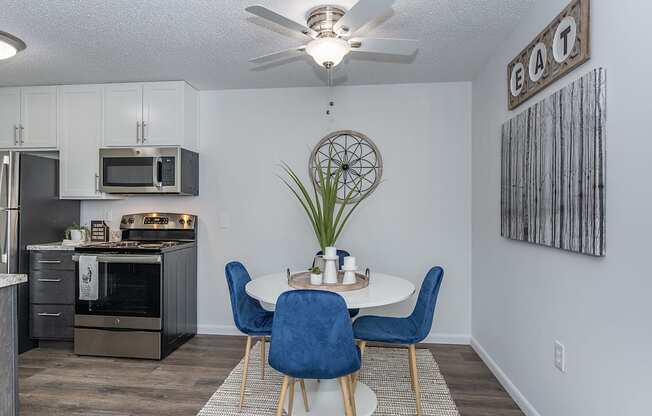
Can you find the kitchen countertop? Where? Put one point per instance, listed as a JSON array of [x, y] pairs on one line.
[[12, 279], [56, 246]]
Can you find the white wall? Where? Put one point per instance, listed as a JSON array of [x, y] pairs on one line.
[[419, 217], [525, 296]]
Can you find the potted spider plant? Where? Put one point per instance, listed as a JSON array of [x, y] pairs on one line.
[[327, 214]]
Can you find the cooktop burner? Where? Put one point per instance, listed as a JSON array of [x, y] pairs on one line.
[[129, 245]]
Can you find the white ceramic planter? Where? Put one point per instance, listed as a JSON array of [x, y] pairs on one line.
[[76, 235], [315, 279]]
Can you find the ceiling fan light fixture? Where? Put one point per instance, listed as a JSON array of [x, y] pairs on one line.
[[10, 45], [328, 52]]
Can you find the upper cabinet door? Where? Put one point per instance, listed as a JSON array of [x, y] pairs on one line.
[[38, 117], [9, 116], [123, 114], [80, 137], [163, 113]]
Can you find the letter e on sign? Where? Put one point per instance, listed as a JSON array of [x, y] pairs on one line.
[[517, 79], [564, 39], [538, 61]]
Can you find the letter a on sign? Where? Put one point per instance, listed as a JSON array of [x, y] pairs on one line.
[[538, 60]]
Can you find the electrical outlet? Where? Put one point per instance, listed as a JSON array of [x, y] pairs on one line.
[[560, 356]]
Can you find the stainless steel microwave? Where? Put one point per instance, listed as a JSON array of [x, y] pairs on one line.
[[149, 170]]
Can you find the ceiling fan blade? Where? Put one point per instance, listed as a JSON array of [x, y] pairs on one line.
[[360, 14], [277, 55], [389, 46], [272, 16]]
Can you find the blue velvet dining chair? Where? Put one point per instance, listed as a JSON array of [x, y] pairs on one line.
[[313, 339], [341, 254], [406, 331], [250, 318]]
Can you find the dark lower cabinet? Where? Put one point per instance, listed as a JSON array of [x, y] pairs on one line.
[[179, 306], [52, 295]]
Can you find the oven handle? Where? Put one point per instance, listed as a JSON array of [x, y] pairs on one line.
[[125, 258]]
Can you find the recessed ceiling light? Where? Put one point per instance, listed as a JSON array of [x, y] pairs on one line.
[[10, 45]]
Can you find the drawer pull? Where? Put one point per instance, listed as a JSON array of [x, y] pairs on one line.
[[50, 280], [52, 315], [50, 261]]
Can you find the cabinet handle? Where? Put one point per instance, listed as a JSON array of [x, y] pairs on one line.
[[97, 183], [52, 315], [15, 134], [50, 261], [22, 134], [142, 136], [50, 280], [138, 132]]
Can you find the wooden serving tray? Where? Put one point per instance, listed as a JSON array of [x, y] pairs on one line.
[[302, 281]]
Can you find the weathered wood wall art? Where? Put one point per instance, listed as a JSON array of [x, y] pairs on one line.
[[553, 169], [560, 47]]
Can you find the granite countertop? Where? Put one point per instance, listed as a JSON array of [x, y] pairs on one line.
[[56, 246], [12, 279]]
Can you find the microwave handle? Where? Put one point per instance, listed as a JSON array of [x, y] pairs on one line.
[[157, 174]]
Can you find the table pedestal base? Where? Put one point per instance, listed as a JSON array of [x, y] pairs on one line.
[[325, 399]]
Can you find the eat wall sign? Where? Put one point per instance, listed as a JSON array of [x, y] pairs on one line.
[[558, 49]]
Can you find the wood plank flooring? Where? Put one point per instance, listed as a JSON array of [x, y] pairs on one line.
[[54, 381]]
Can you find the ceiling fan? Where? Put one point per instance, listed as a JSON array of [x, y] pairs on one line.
[[331, 31]]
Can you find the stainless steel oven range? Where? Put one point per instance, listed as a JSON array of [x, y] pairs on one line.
[[145, 304]]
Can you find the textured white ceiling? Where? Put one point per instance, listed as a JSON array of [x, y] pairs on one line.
[[208, 42]]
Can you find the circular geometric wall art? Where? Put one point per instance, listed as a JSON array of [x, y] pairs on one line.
[[355, 156]]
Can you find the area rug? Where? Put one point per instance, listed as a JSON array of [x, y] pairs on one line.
[[385, 371]]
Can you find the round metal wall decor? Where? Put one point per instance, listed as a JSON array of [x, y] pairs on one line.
[[355, 155]]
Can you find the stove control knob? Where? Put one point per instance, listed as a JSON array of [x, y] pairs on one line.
[[124, 221], [189, 222], [131, 221], [182, 221]]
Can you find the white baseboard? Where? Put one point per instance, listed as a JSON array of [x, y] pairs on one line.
[[511, 389], [434, 338], [441, 338]]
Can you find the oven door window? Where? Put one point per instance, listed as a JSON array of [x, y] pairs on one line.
[[125, 289], [128, 171]]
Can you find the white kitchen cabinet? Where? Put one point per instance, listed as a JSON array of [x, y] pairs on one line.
[[150, 114], [9, 116], [123, 114], [28, 117], [80, 137], [38, 116]]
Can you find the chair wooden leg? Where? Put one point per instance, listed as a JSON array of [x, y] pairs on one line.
[[345, 396], [263, 358], [304, 393], [415, 377], [291, 398], [410, 368], [244, 371], [281, 398], [362, 345], [352, 394]]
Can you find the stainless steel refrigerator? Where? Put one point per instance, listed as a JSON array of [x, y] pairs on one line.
[[30, 213]]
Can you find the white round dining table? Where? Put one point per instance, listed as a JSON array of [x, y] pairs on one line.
[[324, 396]]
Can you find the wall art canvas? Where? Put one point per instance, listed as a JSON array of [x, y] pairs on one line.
[[553, 169]]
